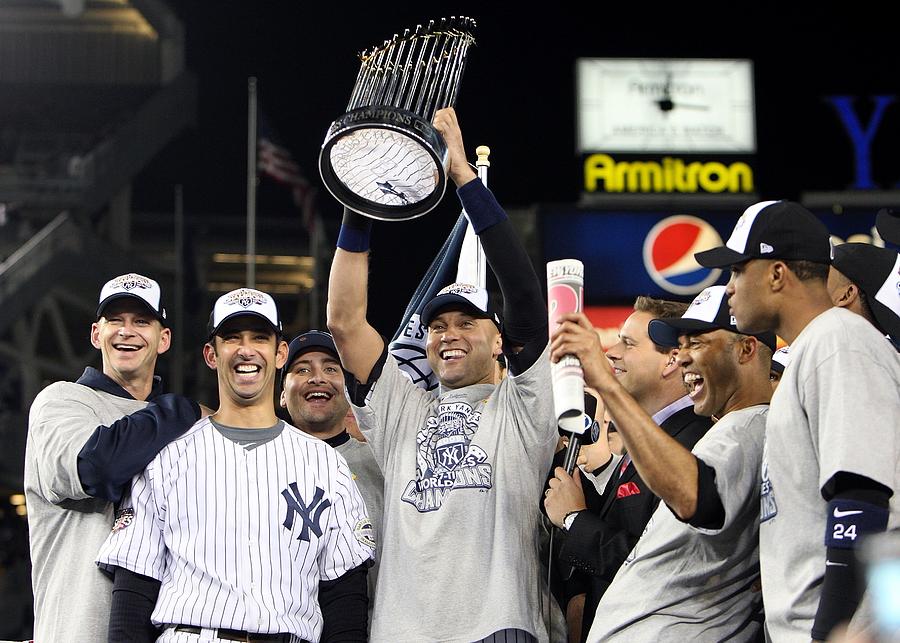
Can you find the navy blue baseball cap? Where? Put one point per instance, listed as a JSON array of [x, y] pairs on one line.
[[312, 340], [876, 272], [465, 297], [772, 230], [708, 311]]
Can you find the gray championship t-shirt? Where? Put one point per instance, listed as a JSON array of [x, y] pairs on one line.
[[681, 583], [66, 526], [463, 476], [836, 409]]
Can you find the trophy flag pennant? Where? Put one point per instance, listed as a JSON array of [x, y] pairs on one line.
[[408, 343]]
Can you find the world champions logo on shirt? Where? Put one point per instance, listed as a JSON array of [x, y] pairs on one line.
[[768, 507], [446, 458]]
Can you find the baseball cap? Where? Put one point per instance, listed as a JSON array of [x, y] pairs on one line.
[[135, 286], [708, 311], [781, 358], [887, 222], [772, 230], [309, 341], [876, 271], [466, 297], [243, 301]]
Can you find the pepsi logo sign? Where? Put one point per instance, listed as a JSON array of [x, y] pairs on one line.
[[669, 254]]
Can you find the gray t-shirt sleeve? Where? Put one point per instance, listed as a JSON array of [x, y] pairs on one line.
[[734, 450], [393, 401], [58, 427], [531, 399], [850, 411]]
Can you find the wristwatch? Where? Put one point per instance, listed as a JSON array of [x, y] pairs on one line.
[[569, 519]]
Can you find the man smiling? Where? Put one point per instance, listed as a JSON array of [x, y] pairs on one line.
[[244, 528], [459, 561], [313, 393], [86, 440], [598, 542], [710, 493], [829, 469]]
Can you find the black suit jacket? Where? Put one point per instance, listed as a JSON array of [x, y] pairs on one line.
[[601, 539]]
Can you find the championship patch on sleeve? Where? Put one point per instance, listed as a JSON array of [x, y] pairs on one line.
[[124, 517], [365, 532]]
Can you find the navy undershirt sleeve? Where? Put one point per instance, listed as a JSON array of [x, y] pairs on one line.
[[710, 513], [133, 599], [359, 390], [524, 308], [114, 454], [345, 607]]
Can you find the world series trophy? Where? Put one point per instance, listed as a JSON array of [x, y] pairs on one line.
[[383, 158]]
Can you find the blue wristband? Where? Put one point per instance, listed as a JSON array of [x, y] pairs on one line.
[[849, 520], [354, 239]]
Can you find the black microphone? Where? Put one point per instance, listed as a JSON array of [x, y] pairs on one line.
[[577, 439]]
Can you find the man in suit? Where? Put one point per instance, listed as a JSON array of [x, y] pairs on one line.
[[596, 542]]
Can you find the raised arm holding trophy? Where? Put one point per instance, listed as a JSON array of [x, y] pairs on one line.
[[462, 463]]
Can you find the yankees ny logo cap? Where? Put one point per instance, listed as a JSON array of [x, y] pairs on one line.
[[244, 301], [132, 285]]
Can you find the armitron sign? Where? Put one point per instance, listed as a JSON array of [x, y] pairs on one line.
[[669, 175]]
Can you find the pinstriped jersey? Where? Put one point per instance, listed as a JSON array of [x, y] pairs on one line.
[[238, 537]]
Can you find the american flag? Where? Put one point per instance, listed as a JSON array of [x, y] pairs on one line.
[[275, 161]]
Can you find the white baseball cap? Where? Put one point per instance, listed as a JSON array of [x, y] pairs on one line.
[[133, 285], [244, 301]]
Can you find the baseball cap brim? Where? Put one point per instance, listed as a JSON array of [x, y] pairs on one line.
[[720, 257], [124, 295], [665, 331], [241, 313]]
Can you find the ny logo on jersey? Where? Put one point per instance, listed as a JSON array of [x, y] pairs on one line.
[[310, 515]]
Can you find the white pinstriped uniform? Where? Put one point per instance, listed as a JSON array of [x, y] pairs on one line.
[[222, 527]]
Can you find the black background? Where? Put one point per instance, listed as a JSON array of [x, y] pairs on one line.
[[517, 96]]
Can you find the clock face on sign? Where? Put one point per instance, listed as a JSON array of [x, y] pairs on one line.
[[665, 105]]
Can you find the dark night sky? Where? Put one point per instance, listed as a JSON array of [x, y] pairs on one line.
[[517, 95]]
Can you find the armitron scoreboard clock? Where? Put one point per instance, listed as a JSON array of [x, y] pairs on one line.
[[660, 105]]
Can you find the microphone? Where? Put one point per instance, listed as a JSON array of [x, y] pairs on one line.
[[576, 440]]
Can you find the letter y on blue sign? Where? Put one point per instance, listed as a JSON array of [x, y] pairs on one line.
[[860, 137]]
